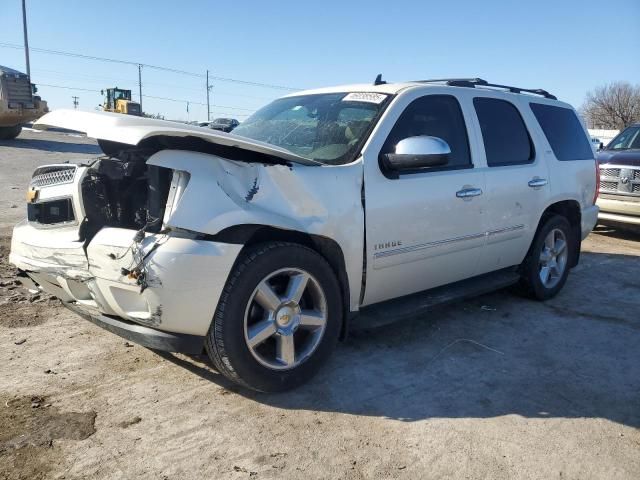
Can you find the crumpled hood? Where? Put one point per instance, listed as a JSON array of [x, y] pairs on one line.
[[623, 157], [131, 130]]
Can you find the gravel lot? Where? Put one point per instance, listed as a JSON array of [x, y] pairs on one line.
[[496, 387]]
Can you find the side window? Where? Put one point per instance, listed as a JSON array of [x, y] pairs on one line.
[[563, 131], [505, 136], [437, 116]]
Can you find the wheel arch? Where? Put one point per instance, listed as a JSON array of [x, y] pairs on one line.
[[249, 235], [569, 209]]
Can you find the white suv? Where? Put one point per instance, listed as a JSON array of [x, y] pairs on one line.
[[260, 246]]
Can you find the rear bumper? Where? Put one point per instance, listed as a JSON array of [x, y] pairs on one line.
[[145, 336], [589, 220]]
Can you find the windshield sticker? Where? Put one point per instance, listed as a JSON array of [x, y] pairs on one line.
[[368, 97]]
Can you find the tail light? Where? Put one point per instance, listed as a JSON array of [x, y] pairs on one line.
[[595, 195]]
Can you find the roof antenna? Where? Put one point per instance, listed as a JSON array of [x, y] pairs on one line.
[[378, 80]]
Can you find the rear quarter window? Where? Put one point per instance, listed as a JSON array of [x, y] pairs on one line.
[[563, 131]]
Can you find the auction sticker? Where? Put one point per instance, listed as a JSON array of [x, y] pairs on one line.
[[369, 97]]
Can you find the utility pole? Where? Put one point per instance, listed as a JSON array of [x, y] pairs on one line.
[[140, 86], [26, 39], [208, 90], [75, 102]]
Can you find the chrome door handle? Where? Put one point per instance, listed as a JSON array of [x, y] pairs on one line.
[[537, 182], [468, 192]]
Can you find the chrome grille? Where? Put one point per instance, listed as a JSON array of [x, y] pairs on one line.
[[53, 175], [609, 186], [610, 172]]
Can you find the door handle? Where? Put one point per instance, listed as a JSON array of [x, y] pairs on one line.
[[537, 182], [468, 192]]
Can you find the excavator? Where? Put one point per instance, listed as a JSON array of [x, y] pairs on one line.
[[118, 100]]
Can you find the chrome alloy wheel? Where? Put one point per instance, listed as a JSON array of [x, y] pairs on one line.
[[553, 258], [285, 318]]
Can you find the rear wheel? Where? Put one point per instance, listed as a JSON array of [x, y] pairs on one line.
[[546, 267], [278, 318], [9, 133]]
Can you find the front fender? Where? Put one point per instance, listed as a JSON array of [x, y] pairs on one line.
[[318, 200]]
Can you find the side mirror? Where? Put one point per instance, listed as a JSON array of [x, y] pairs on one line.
[[415, 153], [601, 146]]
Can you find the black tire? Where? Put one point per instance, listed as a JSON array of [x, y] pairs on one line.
[[531, 284], [225, 342], [9, 133]]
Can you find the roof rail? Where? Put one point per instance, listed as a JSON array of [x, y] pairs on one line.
[[479, 82]]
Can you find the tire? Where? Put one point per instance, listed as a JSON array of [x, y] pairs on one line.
[[9, 133], [544, 250], [252, 332]]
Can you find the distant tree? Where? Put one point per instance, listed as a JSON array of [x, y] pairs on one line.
[[612, 106]]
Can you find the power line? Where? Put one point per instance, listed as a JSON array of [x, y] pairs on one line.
[[146, 65], [178, 100], [68, 88]]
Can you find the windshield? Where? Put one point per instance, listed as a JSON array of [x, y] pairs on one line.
[[628, 139], [222, 121], [328, 128]]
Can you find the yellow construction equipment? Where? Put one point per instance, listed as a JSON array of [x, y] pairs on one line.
[[19, 103], [118, 100]]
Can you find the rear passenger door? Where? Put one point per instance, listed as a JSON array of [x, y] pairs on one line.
[[517, 181]]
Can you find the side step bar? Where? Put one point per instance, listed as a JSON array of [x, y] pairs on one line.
[[414, 305]]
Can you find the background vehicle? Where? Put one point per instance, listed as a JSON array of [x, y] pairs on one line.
[[18, 102], [619, 161], [118, 100], [224, 124], [253, 246]]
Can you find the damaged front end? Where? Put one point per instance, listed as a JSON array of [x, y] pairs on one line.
[[142, 239], [96, 237]]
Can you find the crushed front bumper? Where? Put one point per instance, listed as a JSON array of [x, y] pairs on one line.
[[184, 278]]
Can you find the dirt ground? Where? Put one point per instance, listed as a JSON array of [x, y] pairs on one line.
[[497, 387]]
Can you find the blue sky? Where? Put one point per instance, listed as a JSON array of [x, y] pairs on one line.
[[565, 46]]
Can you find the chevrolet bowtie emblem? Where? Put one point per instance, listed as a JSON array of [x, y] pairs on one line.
[[32, 195], [285, 318]]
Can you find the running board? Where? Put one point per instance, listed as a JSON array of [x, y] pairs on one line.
[[416, 304]]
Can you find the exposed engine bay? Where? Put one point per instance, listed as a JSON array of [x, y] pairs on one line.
[[124, 192]]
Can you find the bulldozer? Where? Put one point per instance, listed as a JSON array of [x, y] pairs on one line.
[[118, 100], [19, 103]]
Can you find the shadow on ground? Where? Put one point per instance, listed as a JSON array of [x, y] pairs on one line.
[[572, 357], [52, 145]]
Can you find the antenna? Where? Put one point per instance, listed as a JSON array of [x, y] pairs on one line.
[[75, 102], [378, 80]]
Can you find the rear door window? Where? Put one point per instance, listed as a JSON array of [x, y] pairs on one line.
[[563, 131], [505, 136]]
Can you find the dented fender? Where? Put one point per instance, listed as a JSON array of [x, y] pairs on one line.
[[318, 200]]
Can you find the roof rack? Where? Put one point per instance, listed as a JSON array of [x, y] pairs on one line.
[[479, 82]]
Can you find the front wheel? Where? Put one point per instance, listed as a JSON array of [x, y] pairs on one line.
[[278, 318], [546, 266]]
